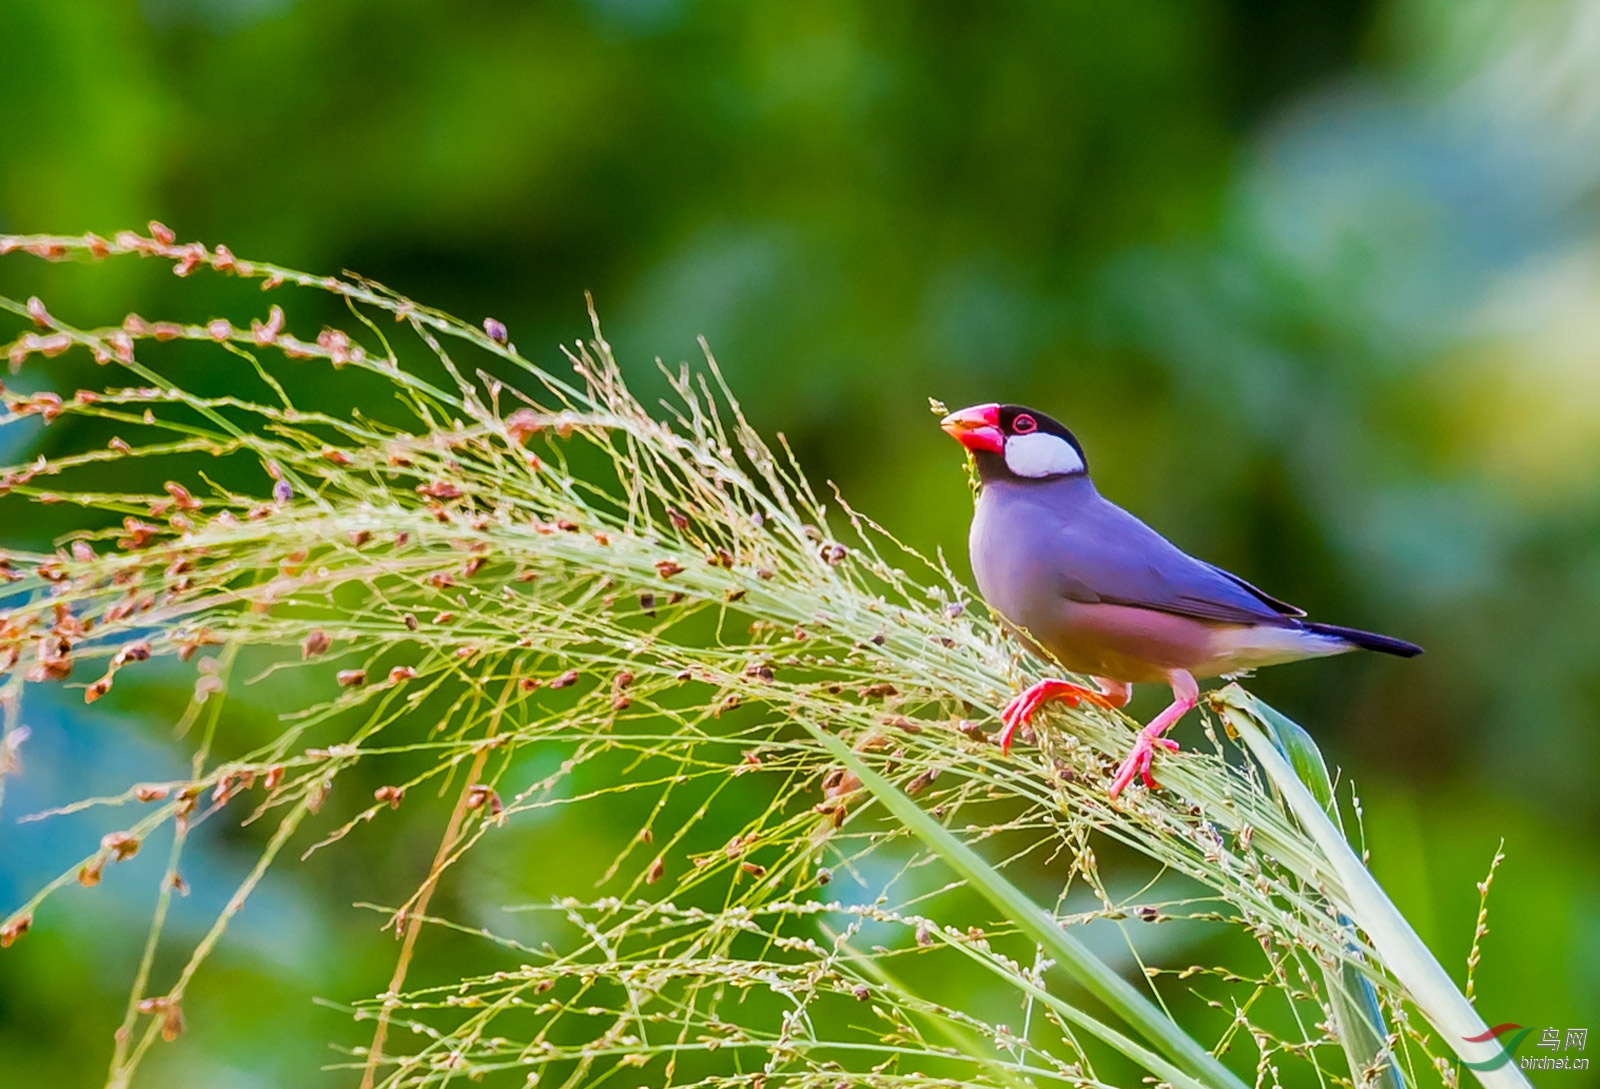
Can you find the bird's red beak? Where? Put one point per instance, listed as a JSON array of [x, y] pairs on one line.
[[976, 428]]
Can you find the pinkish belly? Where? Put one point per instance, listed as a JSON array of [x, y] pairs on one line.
[[1123, 643]]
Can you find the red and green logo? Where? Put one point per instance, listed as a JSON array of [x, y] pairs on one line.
[[1508, 1046]]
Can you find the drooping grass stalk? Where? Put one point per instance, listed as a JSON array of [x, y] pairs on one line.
[[1357, 1012], [1427, 984], [503, 559]]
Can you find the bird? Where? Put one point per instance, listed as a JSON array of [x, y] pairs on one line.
[[1087, 585]]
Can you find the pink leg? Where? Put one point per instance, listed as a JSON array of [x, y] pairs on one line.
[[1185, 694], [1022, 707]]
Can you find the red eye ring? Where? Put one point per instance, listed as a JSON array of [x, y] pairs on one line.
[[1024, 424]]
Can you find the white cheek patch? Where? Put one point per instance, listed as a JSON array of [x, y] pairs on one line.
[[1041, 454]]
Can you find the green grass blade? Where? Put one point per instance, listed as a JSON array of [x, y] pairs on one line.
[[1303, 755], [1404, 954], [1190, 1064], [1358, 1016]]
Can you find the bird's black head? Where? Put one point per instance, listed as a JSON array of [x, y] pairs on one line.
[[1010, 441]]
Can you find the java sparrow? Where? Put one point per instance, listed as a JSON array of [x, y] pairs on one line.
[[1087, 585]]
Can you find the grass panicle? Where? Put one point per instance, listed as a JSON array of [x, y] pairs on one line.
[[495, 559]]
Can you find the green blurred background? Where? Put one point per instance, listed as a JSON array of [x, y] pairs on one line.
[[1318, 286]]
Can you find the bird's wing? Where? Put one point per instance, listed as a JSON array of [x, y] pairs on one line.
[[1283, 608], [1105, 554]]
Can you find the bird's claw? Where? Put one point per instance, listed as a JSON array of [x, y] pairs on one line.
[[1021, 709], [1137, 763]]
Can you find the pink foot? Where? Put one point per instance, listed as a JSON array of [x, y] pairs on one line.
[[1022, 706], [1185, 694], [1138, 761]]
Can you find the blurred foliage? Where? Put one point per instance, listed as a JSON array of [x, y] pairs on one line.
[[1315, 284]]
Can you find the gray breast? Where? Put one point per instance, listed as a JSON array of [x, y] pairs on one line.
[[1015, 549]]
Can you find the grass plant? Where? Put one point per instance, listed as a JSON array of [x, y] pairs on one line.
[[496, 559]]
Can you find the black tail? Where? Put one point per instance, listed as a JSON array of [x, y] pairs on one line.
[[1366, 640]]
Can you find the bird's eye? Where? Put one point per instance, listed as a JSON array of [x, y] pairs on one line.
[[1024, 424]]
